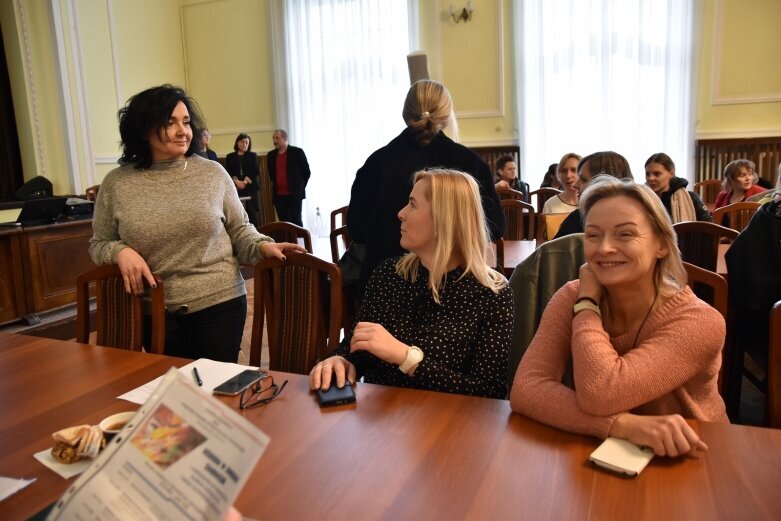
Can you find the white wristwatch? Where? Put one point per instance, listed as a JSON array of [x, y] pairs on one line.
[[585, 303], [414, 356]]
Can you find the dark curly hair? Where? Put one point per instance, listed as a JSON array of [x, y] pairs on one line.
[[148, 112]]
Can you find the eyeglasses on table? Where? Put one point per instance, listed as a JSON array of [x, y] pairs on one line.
[[261, 393]]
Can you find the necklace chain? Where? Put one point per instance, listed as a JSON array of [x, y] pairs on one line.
[[637, 335]]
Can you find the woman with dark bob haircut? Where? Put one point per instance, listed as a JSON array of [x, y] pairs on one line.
[[171, 212], [242, 165]]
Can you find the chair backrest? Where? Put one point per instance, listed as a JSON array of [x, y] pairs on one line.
[[711, 288], [300, 301], [91, 193], [699, 242], [520, 219], [708, 190], [548, 226], [499, 255], [119, 315], [509, 193], [339, 236], [774, 369], [735, 215], [534, 281], [339, 218], [542, 195], [282, 231]]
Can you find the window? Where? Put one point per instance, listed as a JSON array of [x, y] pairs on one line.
[[604, 75]]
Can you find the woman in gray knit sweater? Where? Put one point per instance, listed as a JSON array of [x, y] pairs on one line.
[[168, 211]]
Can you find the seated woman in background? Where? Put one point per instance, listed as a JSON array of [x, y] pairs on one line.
[[550, 180], [242, 165], [203, 150], [437, 318], [507, 177], [681, 205], [567, 175], [739, 183], [607, 163], [634, 379], [168, 211]]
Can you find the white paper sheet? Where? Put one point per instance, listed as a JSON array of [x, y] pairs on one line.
[[9, 486], [184, 455], [212, 373]]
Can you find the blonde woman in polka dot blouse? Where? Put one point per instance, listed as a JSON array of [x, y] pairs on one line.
[[437, 318]]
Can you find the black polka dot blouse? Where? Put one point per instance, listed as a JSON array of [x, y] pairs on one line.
[[465, 339]]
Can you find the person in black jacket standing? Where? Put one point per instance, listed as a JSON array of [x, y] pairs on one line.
[[382, 185], [242, 165], [289, 173]]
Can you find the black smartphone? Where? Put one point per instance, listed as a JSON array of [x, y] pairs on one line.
[[240, 382], [336, 396]]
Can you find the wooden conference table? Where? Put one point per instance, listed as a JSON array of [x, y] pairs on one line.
[[398, 453]]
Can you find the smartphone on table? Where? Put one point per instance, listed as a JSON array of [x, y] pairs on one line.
[[335, 395], [240, 382]]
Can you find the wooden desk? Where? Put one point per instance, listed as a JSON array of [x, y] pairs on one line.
[[397, 454], [40, 265]]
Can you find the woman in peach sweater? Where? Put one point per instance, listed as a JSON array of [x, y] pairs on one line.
[[645, 350]]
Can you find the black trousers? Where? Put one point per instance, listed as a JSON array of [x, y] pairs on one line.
[[214, 332], [288, 208]]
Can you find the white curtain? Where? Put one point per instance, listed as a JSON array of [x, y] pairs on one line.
[[341, 82], [604, 75]]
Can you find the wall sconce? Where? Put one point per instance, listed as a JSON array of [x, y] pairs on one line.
[[464, 15]]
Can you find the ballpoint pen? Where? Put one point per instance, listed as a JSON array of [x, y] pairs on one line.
[[197, 377]]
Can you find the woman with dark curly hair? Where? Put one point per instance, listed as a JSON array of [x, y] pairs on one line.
[[169, 211]]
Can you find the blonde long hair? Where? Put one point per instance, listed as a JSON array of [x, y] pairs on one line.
[[428, 110], [669, 273], [460, 231]]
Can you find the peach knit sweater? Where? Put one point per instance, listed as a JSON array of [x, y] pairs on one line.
[[673, 369]]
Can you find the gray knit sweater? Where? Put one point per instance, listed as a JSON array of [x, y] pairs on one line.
[[185, 219]]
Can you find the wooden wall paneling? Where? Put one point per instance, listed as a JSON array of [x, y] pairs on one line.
[[12, 298], [56, 255], [712, 155]]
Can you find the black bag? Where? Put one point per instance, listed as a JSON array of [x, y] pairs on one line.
[[351, 264], [36, 188]]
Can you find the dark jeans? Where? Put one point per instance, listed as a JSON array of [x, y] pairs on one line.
[[214, 332], [288, 208]]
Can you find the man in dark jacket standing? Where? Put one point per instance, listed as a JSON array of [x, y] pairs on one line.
[[289, 173]]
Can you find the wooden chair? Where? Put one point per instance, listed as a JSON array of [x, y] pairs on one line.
[[339, 218], [509, 193], [708, 190], [300, 301], [119, 315], [91, 193], [499, 257], [774, 369], [712, 288], [699, 242], [548, 226], [735, 215], [339, 236], [282, 231], [350, 300], [520, 220], [542, 195]]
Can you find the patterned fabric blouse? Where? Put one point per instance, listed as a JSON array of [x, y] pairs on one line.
[[465, 339]]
